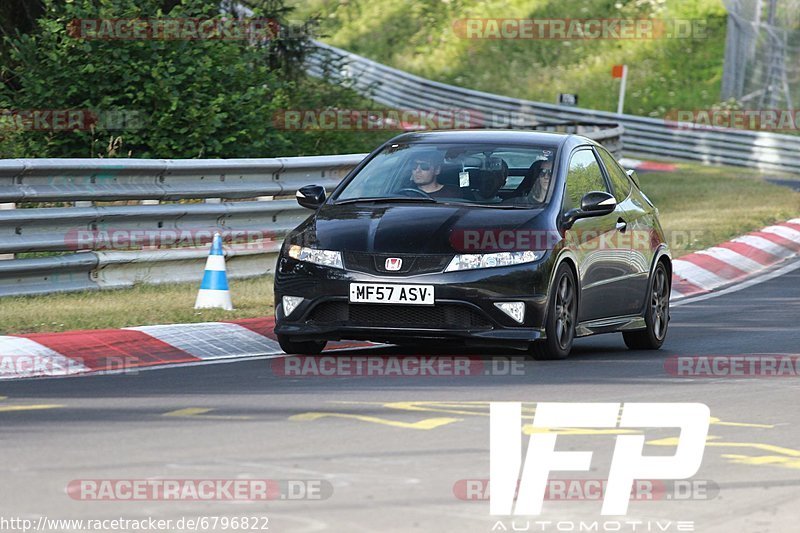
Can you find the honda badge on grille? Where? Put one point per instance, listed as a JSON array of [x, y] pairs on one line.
[[393, 263]]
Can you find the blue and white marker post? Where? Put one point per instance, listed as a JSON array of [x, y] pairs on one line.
[[214, 288]]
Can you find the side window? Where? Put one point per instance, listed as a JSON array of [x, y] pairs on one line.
[[584, 176], [618, 177]]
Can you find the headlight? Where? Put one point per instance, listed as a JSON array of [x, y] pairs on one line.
[[499, 259], [327, 258]]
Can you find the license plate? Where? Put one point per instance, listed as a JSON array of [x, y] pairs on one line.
[[391, 294]]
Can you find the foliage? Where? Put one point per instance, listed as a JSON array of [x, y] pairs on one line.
[[422, 37], [162, 98]]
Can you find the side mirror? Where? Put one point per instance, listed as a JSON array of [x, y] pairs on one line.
[[593, 204], [311, 196]]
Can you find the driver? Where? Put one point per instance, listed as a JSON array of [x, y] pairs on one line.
[[425, 170]]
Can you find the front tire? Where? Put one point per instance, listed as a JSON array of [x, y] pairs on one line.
[[656, 316], [294, 347], [562, 316]]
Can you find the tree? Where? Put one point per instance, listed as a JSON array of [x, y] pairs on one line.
[[165, 98]]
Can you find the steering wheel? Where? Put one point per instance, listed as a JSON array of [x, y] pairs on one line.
[[413, 190]]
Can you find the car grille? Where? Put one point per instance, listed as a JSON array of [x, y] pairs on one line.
[[384, 315], [412, 263]]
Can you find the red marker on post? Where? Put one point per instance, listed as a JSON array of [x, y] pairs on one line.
[[620, 71]]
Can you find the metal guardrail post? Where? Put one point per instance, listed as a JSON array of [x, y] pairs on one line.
[[4, 207]]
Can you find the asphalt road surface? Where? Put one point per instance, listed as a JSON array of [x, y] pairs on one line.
[[386, 454]]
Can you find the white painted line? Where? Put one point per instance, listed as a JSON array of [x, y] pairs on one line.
[[734, 259], [697, 275], [739, 286], [23, 358], [764, 244], [795, 221], [213, 340], [786, 233]]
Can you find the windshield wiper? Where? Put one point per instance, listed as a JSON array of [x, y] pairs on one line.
[[386, 199], [503, 206]]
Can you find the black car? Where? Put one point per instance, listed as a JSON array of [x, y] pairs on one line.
[[513, 239]]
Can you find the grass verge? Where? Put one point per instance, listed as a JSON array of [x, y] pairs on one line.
[[699, 206], [139, 306]]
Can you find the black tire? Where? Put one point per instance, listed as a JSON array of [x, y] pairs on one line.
[[656, 314], [562, 316], [301, 347]]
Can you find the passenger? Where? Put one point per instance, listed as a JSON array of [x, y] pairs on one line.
[[542, 183]]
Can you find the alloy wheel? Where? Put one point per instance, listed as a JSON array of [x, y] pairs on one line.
[[565, 312]]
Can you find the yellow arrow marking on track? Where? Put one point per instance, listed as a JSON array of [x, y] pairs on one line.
[[529, 429], [35, 407], [786, 458], [481, 408], [428, 423], [774, 460], [718, 422], [200, 412], [12, 408], [673, 441]]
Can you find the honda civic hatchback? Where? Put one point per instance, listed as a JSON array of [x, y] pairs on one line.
[[513, 239]]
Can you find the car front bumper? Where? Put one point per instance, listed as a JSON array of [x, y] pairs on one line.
[[464, 307]]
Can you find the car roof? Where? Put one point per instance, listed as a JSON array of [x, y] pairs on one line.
[[541, 138]]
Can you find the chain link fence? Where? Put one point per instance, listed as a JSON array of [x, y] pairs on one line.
[[762, 54]]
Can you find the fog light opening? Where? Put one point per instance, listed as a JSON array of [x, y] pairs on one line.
[[515, 310], [290, 303]]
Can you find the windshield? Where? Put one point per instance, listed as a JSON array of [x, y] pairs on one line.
[[476, 174]]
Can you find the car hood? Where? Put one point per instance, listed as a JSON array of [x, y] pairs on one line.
[[406, 228]]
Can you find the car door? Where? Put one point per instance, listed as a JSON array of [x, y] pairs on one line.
[[637, 233], [602, 263]]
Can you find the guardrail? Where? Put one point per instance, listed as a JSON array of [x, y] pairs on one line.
[[103, 190], [642, 135], [99, 199], [85, 235]]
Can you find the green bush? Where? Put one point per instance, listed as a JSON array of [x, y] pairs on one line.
[[167, 98]]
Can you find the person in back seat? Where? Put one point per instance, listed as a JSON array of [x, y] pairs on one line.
[[490, 180]]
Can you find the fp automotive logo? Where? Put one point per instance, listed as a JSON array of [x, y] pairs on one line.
[[529, 481]]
